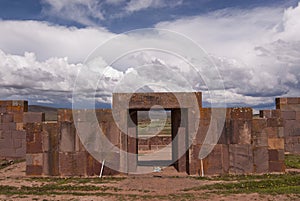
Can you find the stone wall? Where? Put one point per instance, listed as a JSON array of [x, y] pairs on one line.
[[55, 148], [12, 133], [246, 144]]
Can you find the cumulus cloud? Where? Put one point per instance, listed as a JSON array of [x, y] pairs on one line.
[[23, 77], [47, 40], [257, 53]]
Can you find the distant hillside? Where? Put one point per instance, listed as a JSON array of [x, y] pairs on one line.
[[50, 112]]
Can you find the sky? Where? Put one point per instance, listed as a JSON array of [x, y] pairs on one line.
[[45, 45]]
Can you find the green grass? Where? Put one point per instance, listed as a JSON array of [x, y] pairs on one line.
[[263, 184], [292, 161]]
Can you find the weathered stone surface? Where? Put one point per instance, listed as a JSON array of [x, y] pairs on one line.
[[276, 143], [64, 115], [34, 170], [258, 125], [18, 117], [217, 162], [8, 126], [276, 166], [33, 117], [34, 138], [72, 163], [273, 132], [34, 159], [260, 159], [275, 122], [166, 100], [7, 118], [20, 126], [241, 113], [288, 115], [292, 128], [276, 155], [240, 159], [67, 134], [269, 113], [298, 115], [241, 131]]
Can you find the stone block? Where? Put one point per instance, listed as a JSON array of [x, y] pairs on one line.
[[291, 107], [18, 117], [33, 117], [288, 115], [166, 100], [298, 115], [34, 170], [276, 143], [293, 100], [34, 138], [240, 159], [241, 131], [20, 126], [93, 166], [18, 134], [242, 113], [276, 155], [202, 131], [34, 159], [296, 148], [67, 134], [72, 163], [3, 110], [260, 159], [269, 113], [7, 118], [6, 142], [21, 152], [64, 115], [258, 125], [274, 122], [260, 139], [51, 137], [53, 163], [226, 129], [281, 132], [217, 162], [276, 166], [292, 128], [8, 126], [272, 132]]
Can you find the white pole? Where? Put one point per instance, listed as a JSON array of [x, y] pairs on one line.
[[102, 167], [202, 170]]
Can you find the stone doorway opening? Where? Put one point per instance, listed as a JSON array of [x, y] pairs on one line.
[[154, 138], [171, 150]]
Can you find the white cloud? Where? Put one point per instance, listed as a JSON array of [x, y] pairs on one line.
[[47, 40], [23, 77], [82, 11], [257, 52], [137, 5]]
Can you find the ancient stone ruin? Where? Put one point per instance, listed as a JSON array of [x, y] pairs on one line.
[[247, 144]]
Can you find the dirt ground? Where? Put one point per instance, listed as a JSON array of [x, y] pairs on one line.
[[167, 185]]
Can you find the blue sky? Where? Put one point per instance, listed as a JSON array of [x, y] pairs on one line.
[[145, 17], [254, 44]]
